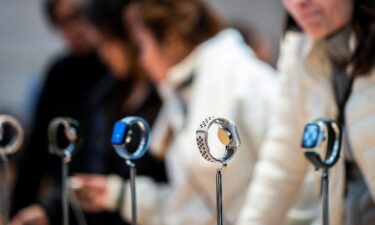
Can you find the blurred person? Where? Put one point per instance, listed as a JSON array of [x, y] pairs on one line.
[[68, 82], [126, 92], [201, 69], [327, 67]]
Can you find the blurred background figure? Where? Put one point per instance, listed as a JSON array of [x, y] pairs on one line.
[[67, 85], [201, 68], [22, 56], [125, 92], [327, 65]]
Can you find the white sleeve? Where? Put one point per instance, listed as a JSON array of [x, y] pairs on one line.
[[150, 202], [281, 167], [257, 101]]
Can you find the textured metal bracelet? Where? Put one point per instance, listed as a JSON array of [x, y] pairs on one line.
[[228, 135]]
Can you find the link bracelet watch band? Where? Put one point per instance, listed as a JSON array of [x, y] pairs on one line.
[[228, 135]]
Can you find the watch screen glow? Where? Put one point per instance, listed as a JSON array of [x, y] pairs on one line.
[[118, 134], [310, 136]]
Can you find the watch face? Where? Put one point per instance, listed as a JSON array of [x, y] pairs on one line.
[[118, 134], [310, 136]]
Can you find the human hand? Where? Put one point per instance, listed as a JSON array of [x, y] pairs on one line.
[[91, 191], [31, 215]]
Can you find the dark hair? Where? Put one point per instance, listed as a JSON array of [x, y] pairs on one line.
[[106, 15], [291, 24], [49, 9], [363, 25], [191, 19]]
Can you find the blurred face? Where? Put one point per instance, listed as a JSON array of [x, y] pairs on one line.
[[320, 18], [153, 57], [73, 26], [115, 54]]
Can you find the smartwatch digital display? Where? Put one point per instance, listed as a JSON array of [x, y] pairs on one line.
[[311, 136], [118, 135], [121, 133], [322, 130]]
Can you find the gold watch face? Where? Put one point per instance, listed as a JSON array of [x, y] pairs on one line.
[[224, 136]]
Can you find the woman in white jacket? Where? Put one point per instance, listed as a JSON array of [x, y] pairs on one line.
[[201, 70], [327, 67]]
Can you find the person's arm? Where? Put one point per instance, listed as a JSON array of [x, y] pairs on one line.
[[281, 167], [257, 90], [150, 201], [30, 170], [97, 193]]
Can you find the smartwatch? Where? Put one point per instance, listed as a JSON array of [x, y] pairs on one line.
[[315, 134], [122, 135], [63, 135], [11, 135], [227, 134]]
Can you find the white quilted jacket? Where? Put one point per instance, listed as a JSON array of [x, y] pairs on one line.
[[305, 95], [228, 82]]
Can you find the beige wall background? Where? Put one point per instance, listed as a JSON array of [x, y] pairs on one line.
[[26, 44]]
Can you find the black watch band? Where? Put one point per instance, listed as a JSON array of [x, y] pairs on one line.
[[322, 129], [71, 131]]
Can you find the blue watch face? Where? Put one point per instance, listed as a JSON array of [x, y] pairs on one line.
[[118, 134], [310, 136]]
